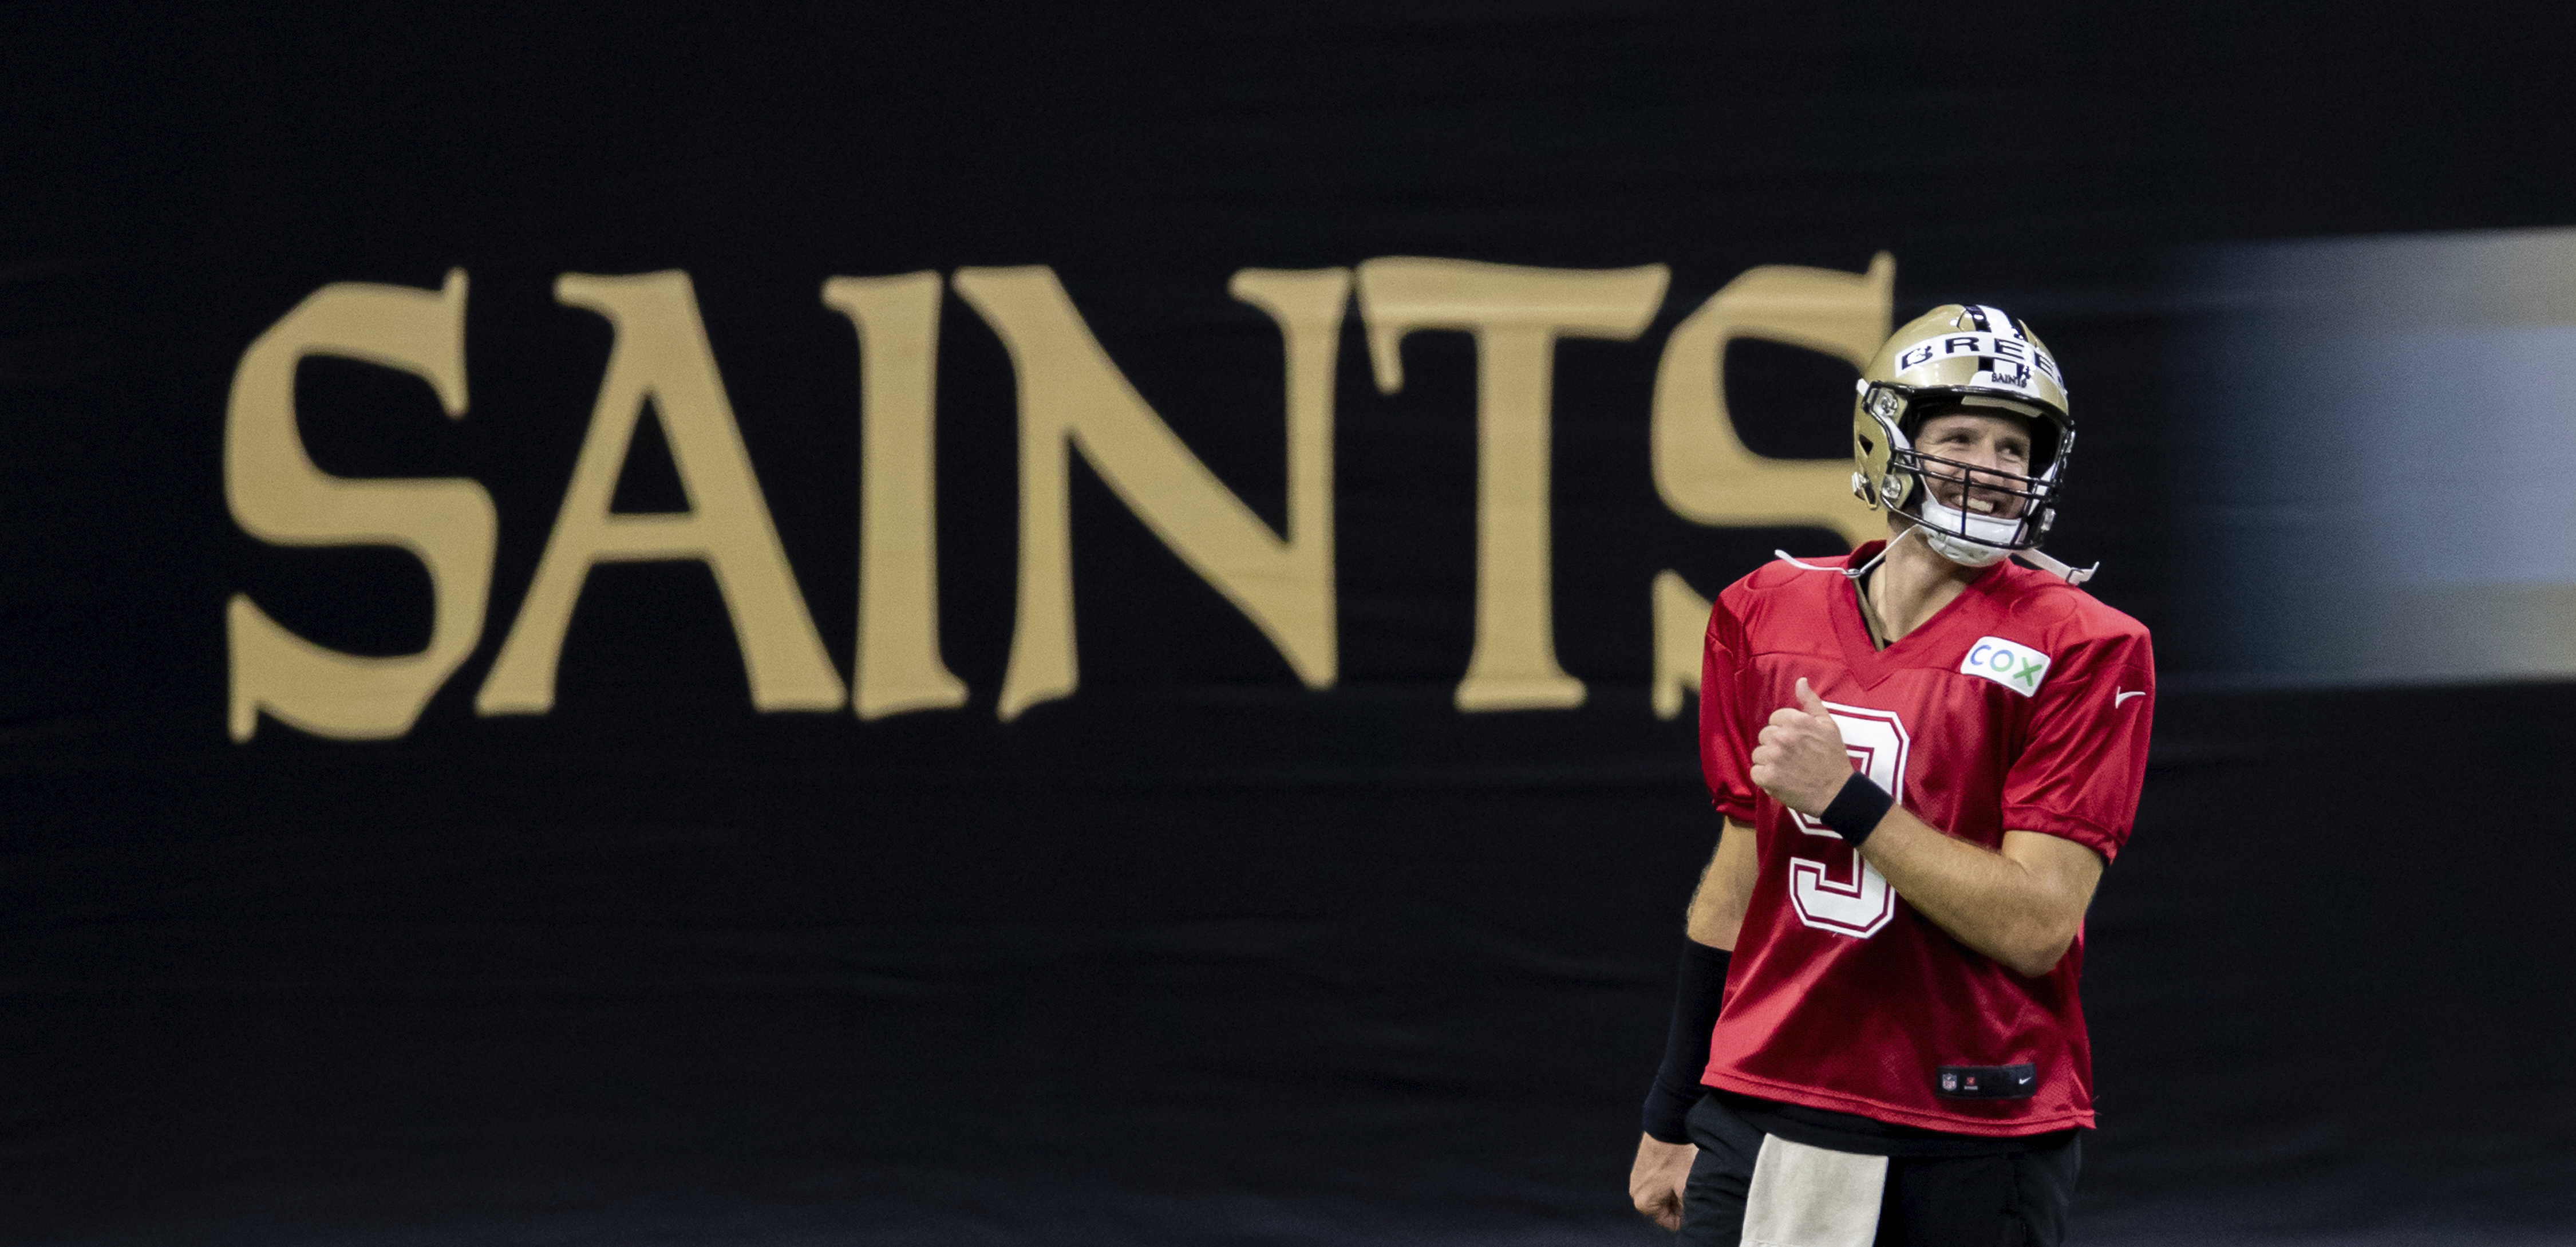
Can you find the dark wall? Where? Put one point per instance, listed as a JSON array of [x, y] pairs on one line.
[[1196, 954]]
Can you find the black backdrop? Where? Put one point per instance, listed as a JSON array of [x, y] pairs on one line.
[[1196, 954]]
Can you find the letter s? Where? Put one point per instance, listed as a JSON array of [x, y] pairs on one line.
[[279, 496]]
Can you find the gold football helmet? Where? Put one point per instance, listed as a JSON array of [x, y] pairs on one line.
[[1975, 358]]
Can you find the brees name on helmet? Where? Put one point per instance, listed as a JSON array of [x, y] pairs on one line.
[[1964, 358]]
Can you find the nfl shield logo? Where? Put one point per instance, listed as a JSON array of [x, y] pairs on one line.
[[1949, 1081]]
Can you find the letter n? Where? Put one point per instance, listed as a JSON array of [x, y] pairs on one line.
[[1072, 395]]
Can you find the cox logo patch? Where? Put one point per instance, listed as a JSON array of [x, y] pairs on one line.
[[2009, 663]]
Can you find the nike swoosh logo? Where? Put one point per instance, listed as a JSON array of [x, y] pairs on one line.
[[2118, 699]]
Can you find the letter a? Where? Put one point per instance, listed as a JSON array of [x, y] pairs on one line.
[[661, 354]]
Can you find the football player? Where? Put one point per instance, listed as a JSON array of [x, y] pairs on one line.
[[1925, 753]]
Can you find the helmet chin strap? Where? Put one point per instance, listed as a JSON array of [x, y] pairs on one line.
[[2071, 575], [1854, 573], [2036, 558]]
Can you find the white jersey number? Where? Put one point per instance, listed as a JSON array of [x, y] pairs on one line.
[[1861, 903]]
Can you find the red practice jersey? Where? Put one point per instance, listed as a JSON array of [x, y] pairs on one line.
[[2023, 705]]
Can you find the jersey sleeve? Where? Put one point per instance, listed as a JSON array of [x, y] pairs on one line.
[[2079, 773], [1725, 756]]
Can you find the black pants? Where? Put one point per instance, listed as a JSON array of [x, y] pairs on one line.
[[2018, 1199]]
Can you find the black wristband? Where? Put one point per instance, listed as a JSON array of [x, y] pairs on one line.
[[1856, 810], [1698, 993]]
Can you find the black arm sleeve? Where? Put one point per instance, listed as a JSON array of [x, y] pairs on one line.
[[1697, 995]]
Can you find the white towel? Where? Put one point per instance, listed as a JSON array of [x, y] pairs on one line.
[[1808, 1197]]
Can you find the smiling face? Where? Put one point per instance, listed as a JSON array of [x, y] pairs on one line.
[[1974, 460]]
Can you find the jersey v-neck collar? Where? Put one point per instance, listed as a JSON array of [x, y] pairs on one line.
[[1872, 665]]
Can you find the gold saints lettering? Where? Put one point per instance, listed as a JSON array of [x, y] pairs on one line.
[[1072, 398]]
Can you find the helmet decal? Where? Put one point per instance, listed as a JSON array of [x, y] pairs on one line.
[[1981, 347]]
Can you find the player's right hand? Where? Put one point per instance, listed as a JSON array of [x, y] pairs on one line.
[[1656, 1181]]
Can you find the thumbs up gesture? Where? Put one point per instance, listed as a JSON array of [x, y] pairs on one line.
[[1800, 759]]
